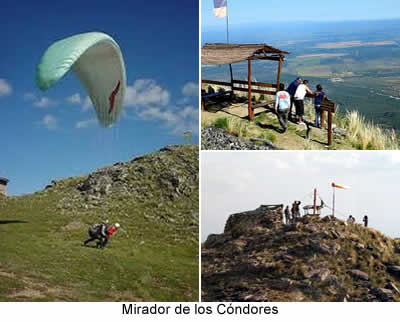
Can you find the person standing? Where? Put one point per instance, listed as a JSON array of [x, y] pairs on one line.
[[292, 90], [365, 220], [301, 92], [319, 96], [282, 106], [287, 215]]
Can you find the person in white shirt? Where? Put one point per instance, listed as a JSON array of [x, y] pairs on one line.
[[301, 92], [282, 107]]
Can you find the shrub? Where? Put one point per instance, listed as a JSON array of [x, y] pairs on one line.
[[221, 123]]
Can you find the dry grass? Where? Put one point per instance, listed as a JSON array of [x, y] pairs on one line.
[[365, 135]]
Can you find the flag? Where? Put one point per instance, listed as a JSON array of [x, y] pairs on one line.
[[334, 185], [220, 8]]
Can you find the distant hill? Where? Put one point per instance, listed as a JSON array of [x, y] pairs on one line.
[[258, 258], [153, 257]]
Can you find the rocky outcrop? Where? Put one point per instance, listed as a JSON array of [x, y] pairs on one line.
[[258, 258], [163, 178], [213, 138]]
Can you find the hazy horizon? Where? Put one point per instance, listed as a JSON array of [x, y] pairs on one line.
[[258, 11]]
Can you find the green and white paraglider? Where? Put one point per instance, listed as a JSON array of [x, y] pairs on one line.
[[97, 61]]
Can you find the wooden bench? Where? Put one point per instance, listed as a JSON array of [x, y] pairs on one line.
[[208, 96]]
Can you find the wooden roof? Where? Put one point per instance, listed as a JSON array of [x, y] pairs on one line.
[[221, 54], [3, 180]]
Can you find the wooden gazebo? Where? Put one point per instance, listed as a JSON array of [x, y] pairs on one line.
[[228, 54], [3, 185]]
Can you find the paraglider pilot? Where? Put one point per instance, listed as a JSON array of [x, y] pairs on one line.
[[101, 233], [110, 231]]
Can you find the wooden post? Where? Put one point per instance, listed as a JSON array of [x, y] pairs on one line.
[[329, 128], [251, 116], [330, 107], [201, 88], [278, 81], [333, 201], [315, 202], [230, 69]]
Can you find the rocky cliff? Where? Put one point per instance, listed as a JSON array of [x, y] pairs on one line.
[[258, 258]]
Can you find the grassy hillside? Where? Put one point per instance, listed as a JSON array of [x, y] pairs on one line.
[[153, 257]]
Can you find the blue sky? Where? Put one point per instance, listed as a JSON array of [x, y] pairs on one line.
[[266, 11], [54, 134]]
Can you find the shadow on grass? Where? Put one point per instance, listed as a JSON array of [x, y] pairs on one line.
[[270, 127], [312, 140], [6, 222], [89, 246]]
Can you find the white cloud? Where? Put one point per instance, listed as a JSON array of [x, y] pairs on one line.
[[29, 97], [44, 102], [179, 120], [152, 102], [190, 89], [279, 164], [5, 87], [394, 157], [49, 122], [74, 99], [85, 124], [87, 104], [145, 92]]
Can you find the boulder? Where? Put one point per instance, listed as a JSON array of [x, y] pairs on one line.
[[339, 131], [281, 284], [394, 270], [359, 275], [383, 294], [214, 241], [392, 287], [320, 275]]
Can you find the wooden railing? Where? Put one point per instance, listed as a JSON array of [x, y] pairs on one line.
[[245, 88], [326, 105]]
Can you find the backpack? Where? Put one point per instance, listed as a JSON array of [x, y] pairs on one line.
[[94, 230]]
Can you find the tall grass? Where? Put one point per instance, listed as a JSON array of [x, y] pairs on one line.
[[365, 135], [362, 134], [232, 126]]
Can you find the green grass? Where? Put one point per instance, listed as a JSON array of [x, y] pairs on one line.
[[221, 123]]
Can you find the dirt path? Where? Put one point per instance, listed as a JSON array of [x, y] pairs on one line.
[[29, 289], [267, 126]]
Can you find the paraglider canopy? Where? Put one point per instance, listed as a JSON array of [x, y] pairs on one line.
[[97, 61]]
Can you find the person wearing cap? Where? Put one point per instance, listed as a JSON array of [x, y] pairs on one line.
[[110, 231]]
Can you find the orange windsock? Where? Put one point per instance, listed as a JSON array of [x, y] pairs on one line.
[[335, 185]]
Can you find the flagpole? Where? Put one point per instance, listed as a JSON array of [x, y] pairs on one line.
[[227, 23], [333, 207]]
